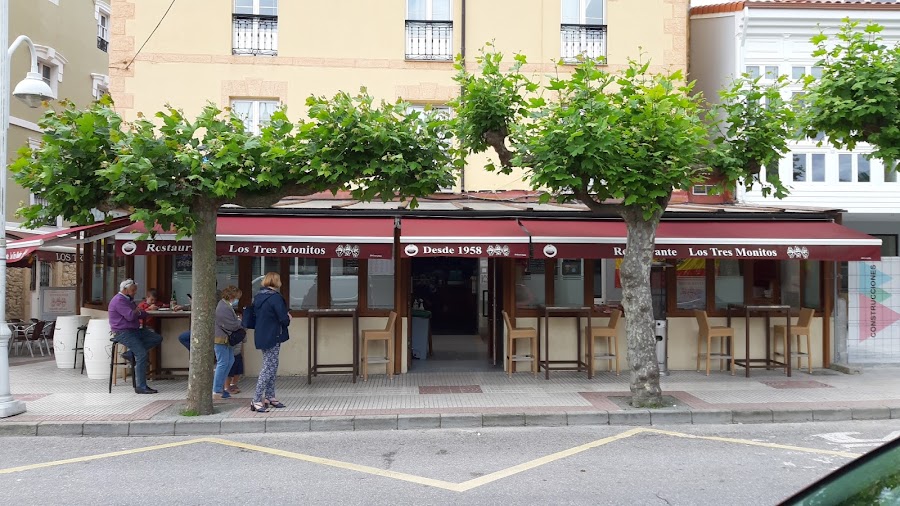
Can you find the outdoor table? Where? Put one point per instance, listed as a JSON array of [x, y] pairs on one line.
[[562, 365], [314, 367], [156, 368], [768, 362]]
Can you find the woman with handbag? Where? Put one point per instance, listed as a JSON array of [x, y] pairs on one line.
[[270, 321], [227, 324]]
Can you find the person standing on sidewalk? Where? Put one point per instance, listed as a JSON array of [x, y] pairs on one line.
[[227, 323], [125, 324], [271, 329]]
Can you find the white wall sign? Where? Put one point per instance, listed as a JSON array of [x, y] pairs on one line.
[[57, 302]]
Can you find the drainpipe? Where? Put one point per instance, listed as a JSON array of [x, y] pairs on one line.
[[462, 52]]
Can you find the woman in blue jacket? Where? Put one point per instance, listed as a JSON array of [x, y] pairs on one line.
[[270, 330]]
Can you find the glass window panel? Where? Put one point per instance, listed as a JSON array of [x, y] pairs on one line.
[[797, 72], [690, 283], [845, 168], [888, 244], [863, 169], [415, 10], [266, 108], [304, 289], [729, 283], [599, 289], [258, 269], [440, 10], [890, 173], [816, 72], [593, 12], [818, 167], [571, 14], [182, 276], [530, 283], [568, 283], [753, 70], [268, 7], [226, 273], [765, 273], [243, 6], [790, 283], [811, 285], [380, 286], [771, 72], [799, 167], [243, 109], [344, 282]]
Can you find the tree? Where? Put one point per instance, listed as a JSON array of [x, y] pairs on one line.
[[177, 174], [622, 142], [857, 97]]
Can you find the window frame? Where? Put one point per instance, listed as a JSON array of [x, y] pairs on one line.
[[254, 125], [429, 12]]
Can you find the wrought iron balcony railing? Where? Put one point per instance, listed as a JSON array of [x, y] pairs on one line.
[[254, 35], [102, 44], [588, 41], [429, 40]]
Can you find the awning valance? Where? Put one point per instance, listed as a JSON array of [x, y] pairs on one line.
[[777, 240], [57, 246], [474, 238], [276, 236]]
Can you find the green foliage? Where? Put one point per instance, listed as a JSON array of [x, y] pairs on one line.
[[754, 124], [858, 96], [160, 170]]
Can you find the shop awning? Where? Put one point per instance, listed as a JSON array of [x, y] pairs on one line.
[[57, 246], [779, 240], [276, 236], [474, 238]]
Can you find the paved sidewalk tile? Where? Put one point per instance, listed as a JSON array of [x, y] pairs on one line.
[[545, 419], [503, 420], [630, 417], [711, 416], [461, 421], [105, 429], [588, 418], [244, 425], [752, 416], [18, 428], [331, 423], [288, 424], [405, 422], [792, 415], [871, 413], [197, 426], [832, 415], [151, 428], [60, 428], [375, 422], [669, 417]]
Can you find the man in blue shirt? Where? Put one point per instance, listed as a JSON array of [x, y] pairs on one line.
[[125, 324]]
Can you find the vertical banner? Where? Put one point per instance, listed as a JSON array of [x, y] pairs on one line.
[[874, 312]]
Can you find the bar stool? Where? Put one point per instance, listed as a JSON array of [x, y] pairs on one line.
[[801, 329], [610, 332], [115, 364], [514, 333], [386, 335], [723, 333], [83, 331]]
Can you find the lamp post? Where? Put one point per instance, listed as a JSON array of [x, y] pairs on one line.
[[32, 90]]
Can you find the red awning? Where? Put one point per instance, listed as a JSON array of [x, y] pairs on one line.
[[455, 237], [784, 240], [19, 250], [276, 236]]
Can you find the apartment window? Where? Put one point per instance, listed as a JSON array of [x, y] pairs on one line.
[[808, 167], [34, 199], [429, 30], [752, 71], [51, 66], [46, 72], [797, 72], [703, 189], [255, 27], [254, 113], [99, 85], [853, 168], [583, 30]]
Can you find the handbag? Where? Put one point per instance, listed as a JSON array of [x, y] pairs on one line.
[[237, 337]]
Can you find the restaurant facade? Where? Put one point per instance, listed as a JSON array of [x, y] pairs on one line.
[[467, 258]]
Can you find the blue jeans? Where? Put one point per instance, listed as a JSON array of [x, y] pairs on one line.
[[185, 339], [224, 361], [139, 341]]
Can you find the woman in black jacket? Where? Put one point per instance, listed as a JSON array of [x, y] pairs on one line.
[[270, 330]]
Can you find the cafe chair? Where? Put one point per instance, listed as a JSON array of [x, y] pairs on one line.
[[707, 332], [513, 334], [386, 335], [118, 364], [800, 329], [19, 338], [34, 333], [610, 332]]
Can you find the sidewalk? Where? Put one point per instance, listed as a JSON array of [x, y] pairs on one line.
[[64, 402]]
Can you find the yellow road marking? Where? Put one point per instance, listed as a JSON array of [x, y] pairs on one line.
[[88, 458], [749, 442], [430, 482]]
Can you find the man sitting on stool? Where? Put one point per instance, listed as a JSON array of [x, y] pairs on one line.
[[125, 323]]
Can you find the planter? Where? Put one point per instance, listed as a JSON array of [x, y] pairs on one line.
[[64, 336]]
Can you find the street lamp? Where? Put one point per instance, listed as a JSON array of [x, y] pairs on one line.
[[32, 90]]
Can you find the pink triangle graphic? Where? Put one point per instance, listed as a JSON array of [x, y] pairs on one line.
[[883, 317]]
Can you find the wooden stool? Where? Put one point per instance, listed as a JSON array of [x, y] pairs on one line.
[[723, 333], [114, 365], [513, 334], [386, 335], [610, 332], [801, 329]]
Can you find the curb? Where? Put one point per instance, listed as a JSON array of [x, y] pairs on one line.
[[637, 417]]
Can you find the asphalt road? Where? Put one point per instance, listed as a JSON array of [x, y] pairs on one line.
[[731, 464]]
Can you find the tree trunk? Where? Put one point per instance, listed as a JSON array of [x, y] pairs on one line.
[[203, 309], [639, 323]]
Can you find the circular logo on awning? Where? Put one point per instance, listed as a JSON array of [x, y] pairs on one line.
[[550, 251], [411, 250], [129, 248]]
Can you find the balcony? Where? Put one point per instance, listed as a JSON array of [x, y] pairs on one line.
[[429, 40], [254, 35], [102, 44], [588, 41]]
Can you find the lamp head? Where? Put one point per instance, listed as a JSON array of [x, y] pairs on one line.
[[33, 90]]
